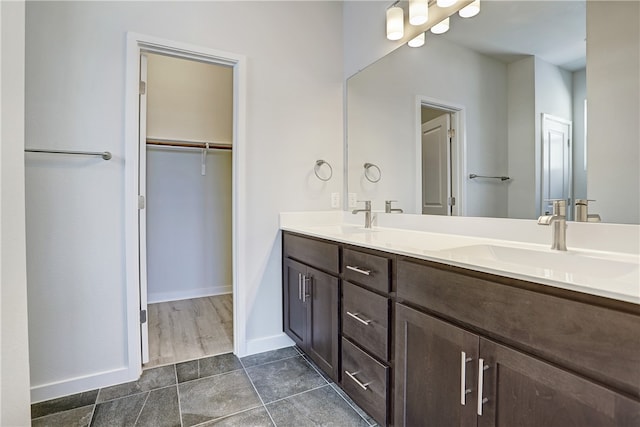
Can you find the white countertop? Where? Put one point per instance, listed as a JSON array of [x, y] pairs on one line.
[[604, 273]]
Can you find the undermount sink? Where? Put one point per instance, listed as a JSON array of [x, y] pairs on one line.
[[345, 229], [572, 266]]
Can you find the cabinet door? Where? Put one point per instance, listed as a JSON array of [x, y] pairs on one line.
[[295, 309], [436, 368], [527, 392], [322, 338]]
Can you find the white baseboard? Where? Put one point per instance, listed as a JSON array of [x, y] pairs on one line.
[[273, 342], [154, 297], [70, 386]]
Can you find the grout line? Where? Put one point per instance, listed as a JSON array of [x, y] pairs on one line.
[[211, 376], [298, 394], [259, 397], [271, 361], [142, 408], [175, 370], [66, 410], [227, 416], [309, 362], [335, 387]]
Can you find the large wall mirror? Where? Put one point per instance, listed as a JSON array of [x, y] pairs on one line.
[[488, 119]]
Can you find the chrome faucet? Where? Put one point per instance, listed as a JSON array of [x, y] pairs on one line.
[[559, 222], [387, 207], [582, 212], [367, 213]]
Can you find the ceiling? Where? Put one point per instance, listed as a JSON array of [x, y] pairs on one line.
[[554, 31]]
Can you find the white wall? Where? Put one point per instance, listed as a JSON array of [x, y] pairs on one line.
[[382, 126], [613, 128], [188, 224], [75, 99], [188, 214], [189, 100], [14, 350], [579, 134], [522, 134]]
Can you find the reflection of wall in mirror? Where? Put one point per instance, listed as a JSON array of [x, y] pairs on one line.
[[613, 129], [382, 121]]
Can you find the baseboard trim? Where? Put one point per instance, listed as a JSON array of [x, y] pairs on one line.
[[272, 342], [70, 386], [188, 294]]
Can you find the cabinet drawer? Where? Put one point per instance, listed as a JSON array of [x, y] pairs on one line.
[[366, 269], [595, 341], [365, 319], [365, 380], [319, 254]]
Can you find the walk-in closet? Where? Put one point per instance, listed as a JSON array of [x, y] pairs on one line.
[[188, 207]]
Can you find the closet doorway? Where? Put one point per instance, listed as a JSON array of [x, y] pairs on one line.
[[186, 169]]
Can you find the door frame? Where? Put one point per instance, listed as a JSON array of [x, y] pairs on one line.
[[458, 151], [137, 44]]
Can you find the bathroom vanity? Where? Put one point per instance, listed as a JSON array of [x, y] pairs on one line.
[[415, 335]]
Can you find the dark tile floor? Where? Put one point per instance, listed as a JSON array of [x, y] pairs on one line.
[[277, 388]]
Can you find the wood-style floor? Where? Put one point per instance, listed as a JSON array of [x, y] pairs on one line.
[[190, 329]]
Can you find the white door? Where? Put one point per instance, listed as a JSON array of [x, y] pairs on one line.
[[556, 162], [436, 166], [142, 213]]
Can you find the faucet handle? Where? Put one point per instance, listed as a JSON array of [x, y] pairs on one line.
[[367, 203], [559, 206]]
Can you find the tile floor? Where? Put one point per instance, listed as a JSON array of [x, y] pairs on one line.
[[277, 388]]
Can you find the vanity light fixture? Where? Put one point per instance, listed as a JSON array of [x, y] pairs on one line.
[[441, 27], [418, 12], [446, 3], [395, 22], [470, 10], [417, 41]]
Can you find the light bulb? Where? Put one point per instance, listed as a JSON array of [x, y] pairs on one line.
[[395, 23], [446, 3], [417, 41], [418, 12], [441, 27], [470, 10]]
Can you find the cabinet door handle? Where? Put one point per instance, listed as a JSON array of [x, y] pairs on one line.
[[353, 377], [299, 286], [481, 369], [305, 278], [358, 270], [355, 316], [463, 377]]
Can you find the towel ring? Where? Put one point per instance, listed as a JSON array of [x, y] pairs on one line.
[[368, 174], [317, 167]]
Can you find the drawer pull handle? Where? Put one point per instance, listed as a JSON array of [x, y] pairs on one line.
[[353, 377], [355, 316], [481, 369], [463, 377], [358, 270]]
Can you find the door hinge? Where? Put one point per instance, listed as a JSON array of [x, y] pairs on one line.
[[451, 133], [451, 201], [143, 316], [141, 202], [143, 88]]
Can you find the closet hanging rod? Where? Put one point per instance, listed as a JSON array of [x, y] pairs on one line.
[[501, 178], [104, 154], [172, 143]]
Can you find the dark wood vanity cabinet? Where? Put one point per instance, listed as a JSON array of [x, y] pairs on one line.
[[422, 343], [548, 369], [310, 299]]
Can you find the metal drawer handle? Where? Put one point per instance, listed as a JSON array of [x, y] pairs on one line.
[[299, 286], [358, 270], [481, 369], [463, 377], [355, 316], [352, 376]]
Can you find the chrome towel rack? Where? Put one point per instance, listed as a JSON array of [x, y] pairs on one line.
[[104, 154], [501, 178], [316, 169]]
